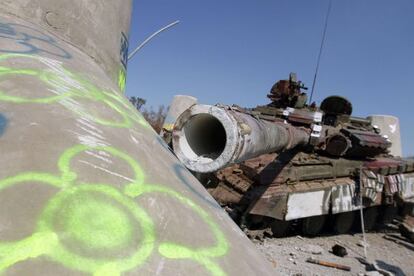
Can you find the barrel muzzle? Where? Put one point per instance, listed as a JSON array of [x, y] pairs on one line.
[[207, 138]]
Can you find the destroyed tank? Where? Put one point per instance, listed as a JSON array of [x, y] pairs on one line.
[[292, 164]]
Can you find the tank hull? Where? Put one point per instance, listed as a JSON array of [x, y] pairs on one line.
[[274, 165], [294, 187]]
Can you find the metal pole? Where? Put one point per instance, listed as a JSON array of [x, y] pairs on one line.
[[130, 56], [362, 214]]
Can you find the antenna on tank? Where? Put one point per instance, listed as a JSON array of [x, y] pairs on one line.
[[320, 49], [131, 55]]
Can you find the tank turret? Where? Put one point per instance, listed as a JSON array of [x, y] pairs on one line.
[[207, 138]]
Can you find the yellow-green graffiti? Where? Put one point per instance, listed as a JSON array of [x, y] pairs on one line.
[[83, 220], [121, 79], [69, 85]]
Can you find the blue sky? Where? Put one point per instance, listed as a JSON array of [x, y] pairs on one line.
[[232, 51]]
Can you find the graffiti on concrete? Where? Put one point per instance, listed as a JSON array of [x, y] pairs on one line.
[[3, 124], [66, 87], [122, 79], [95, 228], [83, 222], [183, 174], [29, 41], [124, 50], [124, 61]]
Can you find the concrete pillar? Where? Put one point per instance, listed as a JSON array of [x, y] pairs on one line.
[[389, 126], [178, 105], [86, 185], [98, 28]]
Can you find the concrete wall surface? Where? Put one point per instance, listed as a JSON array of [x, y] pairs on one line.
[[389, 126], [98, 28], [86, 186]]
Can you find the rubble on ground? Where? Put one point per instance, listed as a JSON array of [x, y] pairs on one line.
[[388, 254]]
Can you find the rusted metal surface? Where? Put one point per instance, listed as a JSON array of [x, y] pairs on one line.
[[329, 264], [344, 164], [267, 185], [287, 93], [337, 144], [368, 139], [207, 138], [365, 143]]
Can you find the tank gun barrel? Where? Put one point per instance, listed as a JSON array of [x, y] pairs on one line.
[[207, 138]]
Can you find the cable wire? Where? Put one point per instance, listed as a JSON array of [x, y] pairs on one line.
[[321, 49]]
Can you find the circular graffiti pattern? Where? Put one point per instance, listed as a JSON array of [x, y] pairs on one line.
[[96, 225], [43, 76], [29, 40], [102, 218], [68, 85], [83, 220]]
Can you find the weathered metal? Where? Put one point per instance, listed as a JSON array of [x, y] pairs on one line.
[[329, 264], [208, 138], [304, 163]]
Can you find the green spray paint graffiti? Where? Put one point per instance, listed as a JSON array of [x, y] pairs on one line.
[[97, 217], [69, 86], [124, 60], [88, 226], [121, 79]]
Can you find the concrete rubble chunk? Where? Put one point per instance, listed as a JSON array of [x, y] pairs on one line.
[[311, 249]]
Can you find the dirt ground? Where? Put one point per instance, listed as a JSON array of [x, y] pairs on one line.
[[391, 252]]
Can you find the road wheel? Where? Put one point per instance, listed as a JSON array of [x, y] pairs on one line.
[[280, 228], [312, 226], [343, 222], [370, 218], [387, 214]]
